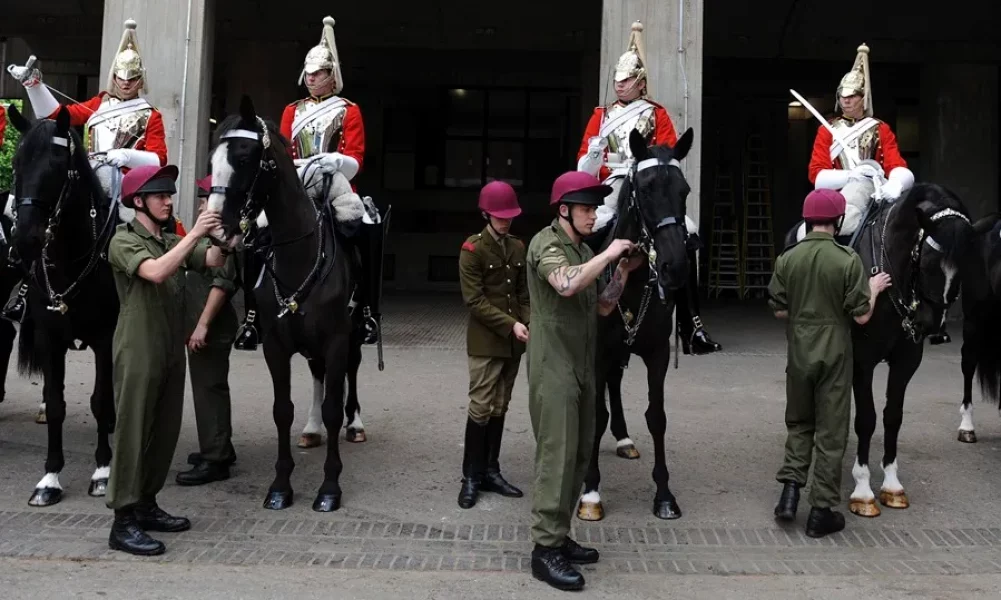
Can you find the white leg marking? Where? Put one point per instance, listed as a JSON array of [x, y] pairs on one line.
[[624, 442], [591, 497], [50, 481], [967, 414], [101, 473], [890, 481], [315, 422], [356, 423], [863, 491]]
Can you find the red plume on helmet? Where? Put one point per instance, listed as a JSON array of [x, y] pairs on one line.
[[823, 205], [498, 199]]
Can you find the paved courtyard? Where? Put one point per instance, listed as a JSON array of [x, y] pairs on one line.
[[400, 531]]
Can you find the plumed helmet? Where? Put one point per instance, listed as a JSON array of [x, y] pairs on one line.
[[578, 187], [823, 205], [148, 179], [498, 199]]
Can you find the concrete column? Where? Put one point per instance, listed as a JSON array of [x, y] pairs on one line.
[[672, 35], [175, 39], [959, 132]]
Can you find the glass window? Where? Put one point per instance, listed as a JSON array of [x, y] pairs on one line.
[[506, 162], [465, 112], [463, 163], [506, 117]]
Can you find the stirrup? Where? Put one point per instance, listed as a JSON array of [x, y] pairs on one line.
[[16, 307], [247, 337]]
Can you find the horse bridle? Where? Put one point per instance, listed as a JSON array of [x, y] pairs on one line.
[[907, 309], [56, 300], [268, 165], [646, 244]]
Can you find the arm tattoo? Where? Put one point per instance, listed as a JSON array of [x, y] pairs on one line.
[[565, 277], [612, 291]]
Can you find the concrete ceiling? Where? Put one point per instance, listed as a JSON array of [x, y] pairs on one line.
[[897, 30]]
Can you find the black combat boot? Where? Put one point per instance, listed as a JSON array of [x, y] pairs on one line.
[[785, 510], [551, 566], [576, 553], [473, 463], [493, 481], [128, 536], [203, 472], [153, 518], [824, 521]]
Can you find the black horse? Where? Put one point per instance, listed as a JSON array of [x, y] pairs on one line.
[[303, 298], [982, 326], [923, 241], [651, 212], [64, 224]]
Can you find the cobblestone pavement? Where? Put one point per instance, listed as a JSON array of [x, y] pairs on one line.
[[724, 444]]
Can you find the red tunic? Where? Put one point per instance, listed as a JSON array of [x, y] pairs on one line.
[[3, 122], [887, 152], [352, 132], [154, 141], [663, 132]]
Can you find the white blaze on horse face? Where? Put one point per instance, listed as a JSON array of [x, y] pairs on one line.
[[966, 412], [863, 490], [222, 173], [890, 481]]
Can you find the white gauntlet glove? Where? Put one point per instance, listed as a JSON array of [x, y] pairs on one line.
[[43, 103], [128, 158], [591, 162]]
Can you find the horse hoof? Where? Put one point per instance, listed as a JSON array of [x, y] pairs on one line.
[[310, 440], [278, 500], [666, 509], [327, 502], [629, 452], [894, 499], [98, 488], [968, 437], [864, 508], [590, 511], [355, 436], [45, 496], [40, 417]]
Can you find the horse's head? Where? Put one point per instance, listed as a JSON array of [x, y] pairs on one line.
[[47, 160], [657, 192], [947, 252], [243, 165]]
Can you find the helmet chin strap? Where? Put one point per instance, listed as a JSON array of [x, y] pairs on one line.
[[569, 219], [161, 222]]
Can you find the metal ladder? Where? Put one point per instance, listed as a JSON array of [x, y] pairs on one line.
[[725, 268], [758, 251]]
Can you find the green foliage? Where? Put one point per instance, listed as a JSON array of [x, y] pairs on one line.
[[11, 137]]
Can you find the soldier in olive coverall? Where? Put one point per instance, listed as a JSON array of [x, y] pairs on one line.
[[492, 275], [566, 302], [211, 323], [148, 352], [820, 286]]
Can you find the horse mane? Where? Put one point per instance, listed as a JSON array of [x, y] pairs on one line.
[[40, 135], [279, 147], [953, 235]]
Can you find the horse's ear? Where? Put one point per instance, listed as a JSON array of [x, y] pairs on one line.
[[19, 121], [638, 146], [985, 224], [247, 112], [63, 120], [684, 144]]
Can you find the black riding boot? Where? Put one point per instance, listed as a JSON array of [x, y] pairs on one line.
[[785, 510], [247, 336], [493, 481], [694, 338], [16, 307], [473, 463], [128, 536]]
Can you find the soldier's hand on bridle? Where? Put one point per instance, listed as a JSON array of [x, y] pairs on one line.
[[207, 222]]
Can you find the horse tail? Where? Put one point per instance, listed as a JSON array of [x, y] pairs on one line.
[[29, 356], [989, 352]]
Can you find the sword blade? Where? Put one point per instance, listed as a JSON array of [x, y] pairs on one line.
[[834, 132]]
